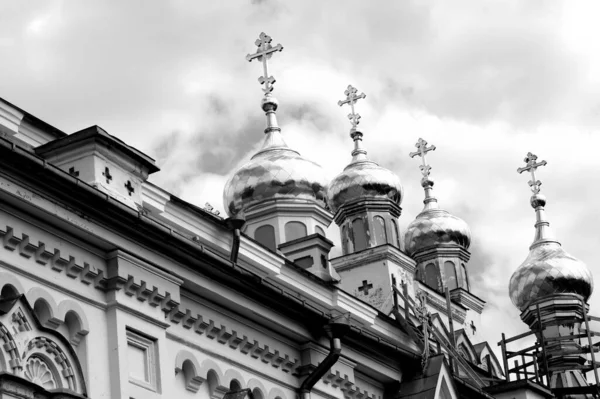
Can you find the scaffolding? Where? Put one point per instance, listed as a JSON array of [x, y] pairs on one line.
[[532, 363]]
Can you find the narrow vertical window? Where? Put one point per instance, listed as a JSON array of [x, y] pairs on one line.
[[360, 234], [465, 277], [379, 230], [432, 276], [294, 230], [345, 240], [395, 239], [266, 236], [450, 275]]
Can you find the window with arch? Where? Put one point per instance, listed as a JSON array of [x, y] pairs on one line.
[[359, 232], [319, 230], [345, 240], [379, 230], [294, 230], [450, 274], [432, 276], [465, 277], [266, 236], [395, 238]]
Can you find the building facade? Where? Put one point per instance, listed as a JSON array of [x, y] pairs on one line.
[[112, 287]]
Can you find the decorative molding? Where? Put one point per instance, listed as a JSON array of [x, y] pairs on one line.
[[88, 274], [222, 335], [350, 389]]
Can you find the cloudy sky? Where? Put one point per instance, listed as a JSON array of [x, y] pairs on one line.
[[484, 81]]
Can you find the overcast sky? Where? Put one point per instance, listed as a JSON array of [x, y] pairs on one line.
[[484, 81]]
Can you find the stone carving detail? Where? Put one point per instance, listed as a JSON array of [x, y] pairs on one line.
[[37, 371]]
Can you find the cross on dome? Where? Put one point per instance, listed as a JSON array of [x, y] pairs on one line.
[[422, 150], [352, 98], [532, 165], [263, 53]]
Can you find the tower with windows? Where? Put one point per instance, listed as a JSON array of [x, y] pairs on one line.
[[439, 241], [281, 195], [365, 199]]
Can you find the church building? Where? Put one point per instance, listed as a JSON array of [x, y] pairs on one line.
[[112, 287]]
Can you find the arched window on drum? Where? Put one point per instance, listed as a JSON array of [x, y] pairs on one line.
[[266, 236], [294, 230], [379, 230], [432, 276], [395, 239], [359, 232], [450, 274]]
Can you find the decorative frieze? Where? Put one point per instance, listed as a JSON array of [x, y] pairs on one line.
[[73, 268], [350, 389]]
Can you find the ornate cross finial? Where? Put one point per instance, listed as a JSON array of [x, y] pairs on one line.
[[422, 149], [352, 98], [532, 166], [263, 53]]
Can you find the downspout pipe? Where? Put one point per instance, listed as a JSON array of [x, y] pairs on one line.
[[235, 225], [336, 329]]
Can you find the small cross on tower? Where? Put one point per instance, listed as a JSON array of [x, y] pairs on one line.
[[365, 287], [73, 172], [473, 328], [532, 166], [106, 174], [263, 53], [352, 98], [422, 150], [129, 187]]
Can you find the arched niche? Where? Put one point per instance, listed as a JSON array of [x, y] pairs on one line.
[[294, 230], [265, 235]]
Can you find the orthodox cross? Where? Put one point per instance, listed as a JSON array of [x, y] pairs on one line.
[[352, 98], [365, 287], [532, 166], [106, 174], [422, 149], [473, 327], [263, 53], [129, 187]]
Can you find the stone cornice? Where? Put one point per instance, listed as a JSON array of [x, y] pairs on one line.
[[442, 250], [292, 207], [467, 299], [367, 205]]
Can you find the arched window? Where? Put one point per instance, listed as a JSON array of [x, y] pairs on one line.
[[266, 236], [450, 275], [320, 231], [294, 230], [432, 276], [360, 234], [395, 240], [345, 240], [465, 278], [379, 230]]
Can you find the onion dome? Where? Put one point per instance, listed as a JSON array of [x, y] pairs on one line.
[[433, 226], [362, 178], [548, 269], [274, 172]]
